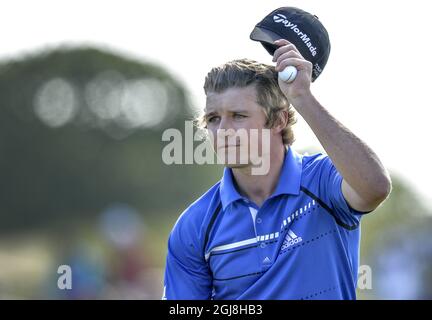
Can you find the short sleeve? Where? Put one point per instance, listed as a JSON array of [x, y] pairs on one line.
[[331, 191], [187, 275]]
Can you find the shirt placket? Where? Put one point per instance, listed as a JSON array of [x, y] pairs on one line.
[[262, 235]]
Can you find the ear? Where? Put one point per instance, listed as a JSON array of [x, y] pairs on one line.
[[281, 121]]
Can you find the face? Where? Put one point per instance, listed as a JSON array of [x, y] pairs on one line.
[[236, 122]]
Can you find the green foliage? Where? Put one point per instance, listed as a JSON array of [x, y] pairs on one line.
[[74, 171]]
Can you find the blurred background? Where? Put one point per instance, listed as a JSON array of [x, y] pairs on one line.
[[88, 88]]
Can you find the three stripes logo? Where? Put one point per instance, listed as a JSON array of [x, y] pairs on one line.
[[290, 239]]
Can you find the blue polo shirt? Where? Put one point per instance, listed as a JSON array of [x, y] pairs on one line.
[[302, 243]]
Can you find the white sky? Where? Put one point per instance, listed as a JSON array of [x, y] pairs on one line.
[[376, 81]]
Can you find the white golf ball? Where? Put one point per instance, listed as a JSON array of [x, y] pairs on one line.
[[288, 74]]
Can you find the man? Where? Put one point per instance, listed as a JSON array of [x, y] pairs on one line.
[[294, 232]]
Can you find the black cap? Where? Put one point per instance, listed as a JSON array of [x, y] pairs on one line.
[[299, 27]]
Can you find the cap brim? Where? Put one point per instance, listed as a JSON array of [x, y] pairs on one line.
[[264, 35]]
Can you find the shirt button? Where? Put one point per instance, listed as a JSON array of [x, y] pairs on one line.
[[262, 245], [258, 220]]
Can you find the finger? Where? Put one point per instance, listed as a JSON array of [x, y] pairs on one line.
[[289, 54], [281, 41], [283, 49], [300, 64]]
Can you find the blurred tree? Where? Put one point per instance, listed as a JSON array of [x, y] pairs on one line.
[[81, 128], [398, 230]]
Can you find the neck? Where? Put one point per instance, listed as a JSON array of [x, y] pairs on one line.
[[258, 188]]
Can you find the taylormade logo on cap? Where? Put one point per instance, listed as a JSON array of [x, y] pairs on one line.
[[280, 18]]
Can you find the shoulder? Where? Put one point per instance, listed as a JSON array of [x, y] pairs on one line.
[[191, 224], [318, 171], [313, 164]]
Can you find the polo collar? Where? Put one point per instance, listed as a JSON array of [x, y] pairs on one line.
[[289, 180]]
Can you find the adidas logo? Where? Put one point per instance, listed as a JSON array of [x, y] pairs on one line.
[[266, 260], [290, 239]]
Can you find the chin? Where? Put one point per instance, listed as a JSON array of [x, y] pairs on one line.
[[236, 166]]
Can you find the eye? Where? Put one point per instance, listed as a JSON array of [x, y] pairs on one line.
[[239, 116], [212, 119]]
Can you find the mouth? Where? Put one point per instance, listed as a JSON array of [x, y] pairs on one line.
[[229, 146]]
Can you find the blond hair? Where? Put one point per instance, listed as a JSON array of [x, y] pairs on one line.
[[244, 72]]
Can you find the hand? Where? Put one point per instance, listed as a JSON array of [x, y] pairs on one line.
[[288, 55]]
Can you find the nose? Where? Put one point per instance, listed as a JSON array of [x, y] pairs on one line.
[[224, 130], [224, 124]]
